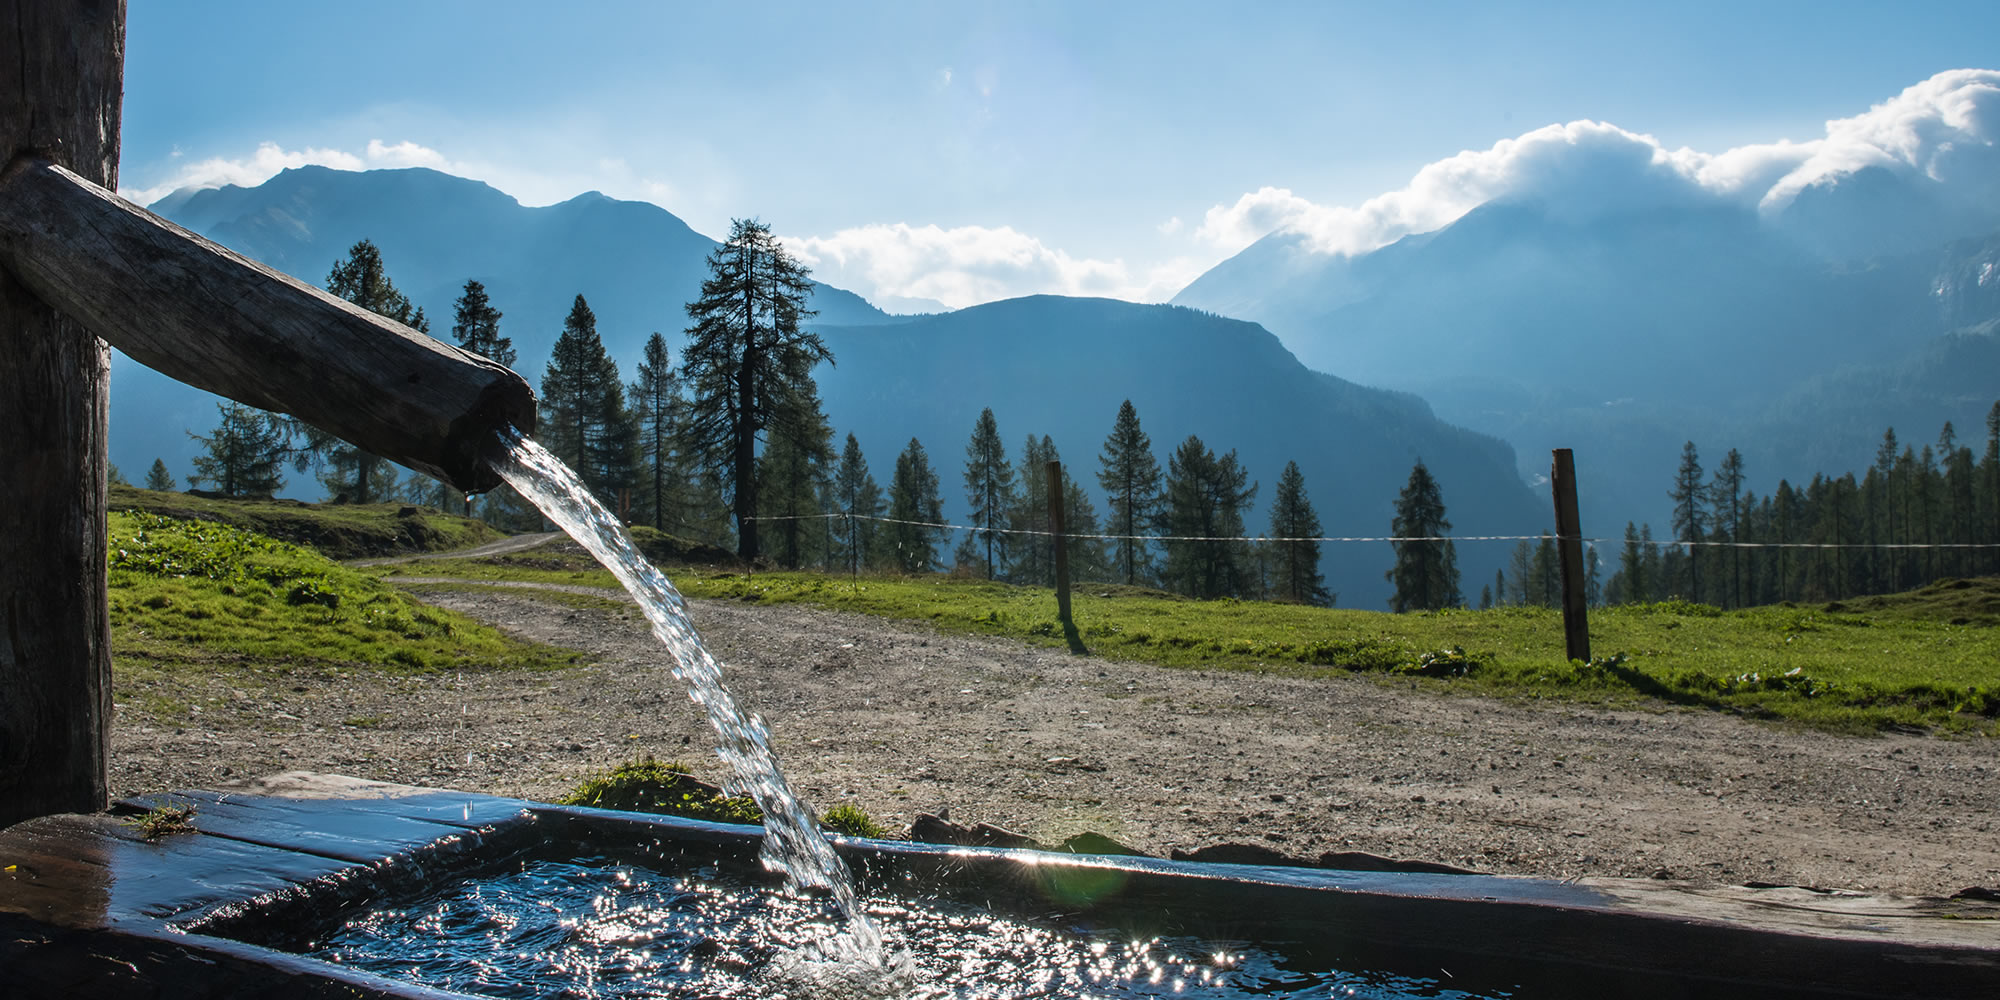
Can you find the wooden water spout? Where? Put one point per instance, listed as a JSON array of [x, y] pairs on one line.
[[78, 263], [216, 320]]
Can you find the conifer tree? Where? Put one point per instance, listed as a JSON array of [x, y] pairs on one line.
[[244, 455], [914, 505], [1130, 477], [1204, 499], [583, 418], [989, 496], [1088, 558], [1426, 570], [158, 478], [1690, 522], [1989, 468], [790, 474], [656, 402], [1295, 550], [746, 357], [861, 499], [349, 473], [1725, 501], [1034, 553], [476, 325], [1632, 568]]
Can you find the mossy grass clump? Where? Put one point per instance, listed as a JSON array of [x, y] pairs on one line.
[[669, 789], [163, 820], [849, 820]]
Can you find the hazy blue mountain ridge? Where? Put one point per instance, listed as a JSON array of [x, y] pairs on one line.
[[1623, 336], [1046, 365]]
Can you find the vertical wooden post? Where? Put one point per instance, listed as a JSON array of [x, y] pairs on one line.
[[1070, 634], [61, 100], [1569, 551]]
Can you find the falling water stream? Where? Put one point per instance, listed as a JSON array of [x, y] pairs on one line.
[[793, 844]]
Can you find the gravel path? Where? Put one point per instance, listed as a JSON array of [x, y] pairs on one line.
[[900, 720]]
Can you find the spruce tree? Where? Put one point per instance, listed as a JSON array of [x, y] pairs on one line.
[[1632, 568], [476, 325], [746, 355], [655, 396], [349, 473], [1033, 560], [1690, 522], [583, 418], [1425, 574], [860, 499], [1203, 505], [1989, 469], [158, 478], [914, 506], [989, 496], [1294, 546], [790, 474], [1130, 477], [1725, 501], [245, 453], [1088, 558]]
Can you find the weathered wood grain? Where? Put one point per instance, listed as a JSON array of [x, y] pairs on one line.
[[60, 97], [214, 319]]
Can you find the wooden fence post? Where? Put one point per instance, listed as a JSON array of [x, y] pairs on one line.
[[61, 101], [1569, 550], [1070, 634]]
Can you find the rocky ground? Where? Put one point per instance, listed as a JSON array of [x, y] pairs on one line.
[[900, 720]]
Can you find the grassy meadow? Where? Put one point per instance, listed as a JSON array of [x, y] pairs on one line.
[[1929, 659], [195, 599]]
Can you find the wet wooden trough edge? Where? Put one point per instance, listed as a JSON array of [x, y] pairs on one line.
[[90, 908]]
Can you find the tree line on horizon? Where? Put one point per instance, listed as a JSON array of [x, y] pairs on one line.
[[1916, 515], [736, 431]]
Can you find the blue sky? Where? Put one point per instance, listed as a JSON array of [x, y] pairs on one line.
[[963, 152]]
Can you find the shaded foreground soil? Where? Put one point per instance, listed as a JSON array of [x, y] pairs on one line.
[[899, 720]]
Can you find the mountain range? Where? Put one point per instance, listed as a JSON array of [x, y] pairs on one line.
[[1625, 334], [1046, 365]]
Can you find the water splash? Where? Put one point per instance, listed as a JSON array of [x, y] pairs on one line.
[[793, 844]]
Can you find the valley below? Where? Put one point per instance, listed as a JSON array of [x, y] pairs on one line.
[[899, 719]]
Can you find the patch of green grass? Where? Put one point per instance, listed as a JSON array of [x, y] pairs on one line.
[[647, 785], [340, 531], [1930, 658], [206, 596]]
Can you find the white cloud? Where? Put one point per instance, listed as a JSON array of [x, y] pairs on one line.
[[1944, 129], [967, 265], [252, 170]]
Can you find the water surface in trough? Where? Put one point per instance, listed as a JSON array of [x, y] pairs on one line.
[[594, 930], [793, 844]]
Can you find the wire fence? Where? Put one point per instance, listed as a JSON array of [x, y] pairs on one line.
[[1661, 542]]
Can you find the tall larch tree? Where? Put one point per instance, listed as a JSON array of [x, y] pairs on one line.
[[1295, 551], [989, 496], [1425, 573], [914, 505], [1130, 478], [1725, 497], [747, 352]]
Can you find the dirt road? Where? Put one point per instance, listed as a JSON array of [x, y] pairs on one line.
[[900, 720]]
